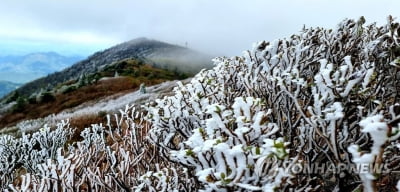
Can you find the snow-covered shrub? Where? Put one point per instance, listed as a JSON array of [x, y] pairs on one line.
[[111, 157], [42, 145], [321, 97], [30, 125], [9, 147], [378, 131], [29, 151], [311, 92], [166, 179], [142, 88]]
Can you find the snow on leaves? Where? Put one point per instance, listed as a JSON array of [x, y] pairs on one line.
[[310, 91]]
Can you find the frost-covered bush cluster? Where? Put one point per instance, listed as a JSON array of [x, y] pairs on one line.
[[315, 97], [26, 153], [111, 157], [319, 97]]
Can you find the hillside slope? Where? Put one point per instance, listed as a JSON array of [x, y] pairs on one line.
[[157, 54], [91, 111], [118, 78]]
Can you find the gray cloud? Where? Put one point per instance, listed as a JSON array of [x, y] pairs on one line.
[[224, 27]]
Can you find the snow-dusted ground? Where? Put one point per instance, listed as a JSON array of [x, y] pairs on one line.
[[109, 104], [6, 107]]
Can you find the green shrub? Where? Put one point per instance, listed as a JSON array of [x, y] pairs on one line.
[[47, 97], [20, 105]]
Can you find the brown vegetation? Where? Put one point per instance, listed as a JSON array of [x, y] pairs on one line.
[[72, 99], [92, 87]]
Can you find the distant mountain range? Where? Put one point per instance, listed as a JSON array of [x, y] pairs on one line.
[[21, 69], [156, 53], [6, 87]]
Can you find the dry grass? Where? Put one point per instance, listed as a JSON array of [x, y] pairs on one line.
[[72, 99], [80, 123]]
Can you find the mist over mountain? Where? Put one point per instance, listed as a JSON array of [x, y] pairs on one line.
[[28, 67], [156, 53], [114, 71]]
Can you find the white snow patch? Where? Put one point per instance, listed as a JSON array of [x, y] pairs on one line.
[[398, 186], [377, 129], [109, 104]]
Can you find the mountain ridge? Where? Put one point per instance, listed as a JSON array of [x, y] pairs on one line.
[[158, 54], [25, 68], [7, 86], [116, 70]]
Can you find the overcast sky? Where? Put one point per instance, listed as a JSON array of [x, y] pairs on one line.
[[223, 27]]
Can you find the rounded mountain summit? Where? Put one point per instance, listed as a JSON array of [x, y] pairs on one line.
[[155, 53]]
